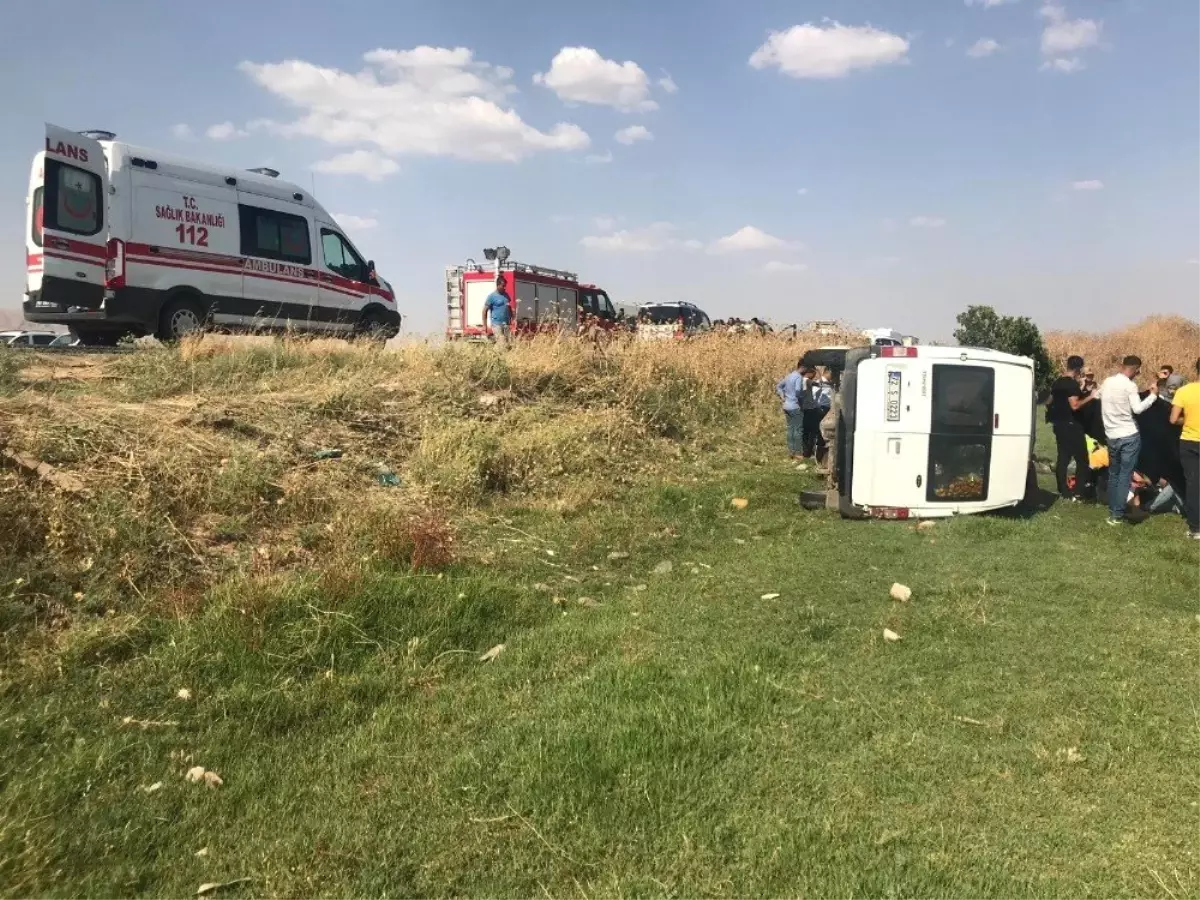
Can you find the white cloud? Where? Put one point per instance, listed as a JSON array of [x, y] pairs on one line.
[[1067, 65], [1091, 184], [802, 191], [982, 48], [428, 101], [1063, 39], [581, 75], [988, 4], [355, 223], [747, 238], [224, 131], [367, 163], [776, 267], [927, 222], [599, 159], [652, 238], [604, 223], [831, 50], [183, 132], [667, 85], [633, 134]]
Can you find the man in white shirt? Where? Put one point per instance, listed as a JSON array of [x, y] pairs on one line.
[[1119, 403]]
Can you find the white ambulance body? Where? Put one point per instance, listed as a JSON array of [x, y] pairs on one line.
[[123, 240], [934, 431]]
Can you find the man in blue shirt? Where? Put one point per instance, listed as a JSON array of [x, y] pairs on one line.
[[499, 314], [790, 390]]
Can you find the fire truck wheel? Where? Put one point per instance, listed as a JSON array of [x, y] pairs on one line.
[[180, 317]]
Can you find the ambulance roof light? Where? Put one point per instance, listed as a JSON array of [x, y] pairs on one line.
[[263, 170], [97, 134]]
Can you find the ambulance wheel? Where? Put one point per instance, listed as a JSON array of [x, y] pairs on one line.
[[812, 500], [180, 317], [376, 326]]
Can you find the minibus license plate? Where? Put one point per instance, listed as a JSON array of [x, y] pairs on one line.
[[893, 397]]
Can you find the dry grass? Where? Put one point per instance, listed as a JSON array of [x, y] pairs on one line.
[[202, 463], [1158, 340]]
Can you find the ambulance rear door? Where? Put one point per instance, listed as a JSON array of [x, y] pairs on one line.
[[67, 221]]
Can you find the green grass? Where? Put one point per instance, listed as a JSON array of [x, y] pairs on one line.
[[676, 735]]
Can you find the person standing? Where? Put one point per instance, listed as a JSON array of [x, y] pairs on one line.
[[1185, 408], [817, 397], [1119, 403], [499, 314], [1168, 382], [1066, 402], [791, 391]]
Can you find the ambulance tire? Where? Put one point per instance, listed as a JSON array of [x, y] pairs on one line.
[[376, 325], [181, 315]]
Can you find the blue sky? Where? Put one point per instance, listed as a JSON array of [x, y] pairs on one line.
[[879, 161]]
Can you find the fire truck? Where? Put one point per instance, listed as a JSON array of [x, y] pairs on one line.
[[543, 300]]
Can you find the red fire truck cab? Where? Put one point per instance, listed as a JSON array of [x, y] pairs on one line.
[[543, 300]]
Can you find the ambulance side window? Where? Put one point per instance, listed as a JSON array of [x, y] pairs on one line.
[[341, 258], [72, 200], [268, 234], [36, 224]]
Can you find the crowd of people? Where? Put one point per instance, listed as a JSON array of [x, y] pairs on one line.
[[1139, 449], [807, 395]]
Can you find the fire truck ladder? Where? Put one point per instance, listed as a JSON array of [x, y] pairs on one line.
[[454, 310], [513, 266]]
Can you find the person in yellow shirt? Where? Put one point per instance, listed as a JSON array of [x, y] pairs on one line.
[[1185, 408]]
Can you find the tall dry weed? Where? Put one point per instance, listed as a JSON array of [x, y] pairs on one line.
[[1158, 340]]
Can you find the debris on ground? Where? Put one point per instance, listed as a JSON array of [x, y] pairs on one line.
[[492, 654], [926, 525], [152, 788], [901, 592], [183, 694], [210, 886], [587, 602], [770, 597], [618, 554], [664, 567], [889, 635], [1072, 755], [387, 478], [44, 471], [198, 774], [203, 851], [739, 503], [328, 453]]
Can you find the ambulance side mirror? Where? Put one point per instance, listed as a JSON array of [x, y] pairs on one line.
[[371, 272]]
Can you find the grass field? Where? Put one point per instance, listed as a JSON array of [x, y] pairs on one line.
[[646, 730]]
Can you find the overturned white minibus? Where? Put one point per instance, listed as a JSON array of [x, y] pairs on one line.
[[927, 432]]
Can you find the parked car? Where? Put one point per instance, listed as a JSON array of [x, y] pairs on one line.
[[27, 338], [66, 340], [664, 321]]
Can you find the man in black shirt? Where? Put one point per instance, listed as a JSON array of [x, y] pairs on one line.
[[1066, 399]]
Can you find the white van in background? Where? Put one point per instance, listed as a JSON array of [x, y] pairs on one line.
[[121, 240], [934, 431]]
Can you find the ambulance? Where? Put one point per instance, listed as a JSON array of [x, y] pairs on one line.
[[122, 240], [928, 432]]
